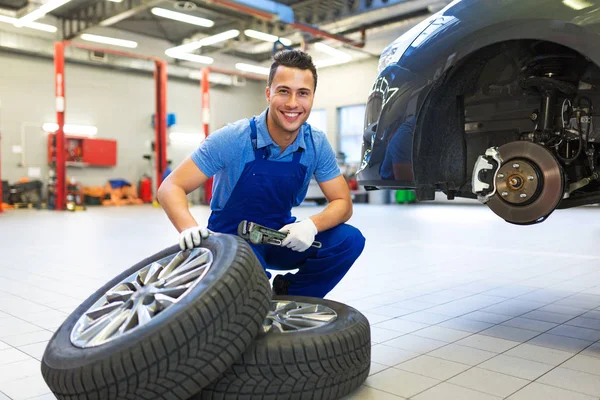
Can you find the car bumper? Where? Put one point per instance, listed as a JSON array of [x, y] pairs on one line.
[[391, 117]]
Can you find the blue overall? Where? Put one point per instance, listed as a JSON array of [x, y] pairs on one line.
[[265, 194]]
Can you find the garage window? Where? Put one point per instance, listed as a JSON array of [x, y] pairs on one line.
[[351, 123]]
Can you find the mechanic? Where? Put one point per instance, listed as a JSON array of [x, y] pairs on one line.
[[262, 168]]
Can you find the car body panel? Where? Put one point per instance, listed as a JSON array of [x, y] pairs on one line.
[[469, 25], [461, 29]]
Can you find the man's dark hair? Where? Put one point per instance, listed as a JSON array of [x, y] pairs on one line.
[[293, 59]]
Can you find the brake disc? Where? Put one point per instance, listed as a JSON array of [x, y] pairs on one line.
[[529, 183]]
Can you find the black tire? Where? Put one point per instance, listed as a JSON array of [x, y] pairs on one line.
[[325, 363], [182, 349]]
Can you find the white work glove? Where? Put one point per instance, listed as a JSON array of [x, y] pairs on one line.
[[192, 237], [301, 235]]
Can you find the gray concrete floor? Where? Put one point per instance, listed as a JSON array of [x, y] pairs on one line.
[[462, 305]]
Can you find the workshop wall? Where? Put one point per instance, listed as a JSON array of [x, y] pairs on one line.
[[343, 85], [120, 104]]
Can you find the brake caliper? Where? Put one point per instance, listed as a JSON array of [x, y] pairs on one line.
[[483, 183]]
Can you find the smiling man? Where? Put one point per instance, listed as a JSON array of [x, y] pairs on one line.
[[262, 168]]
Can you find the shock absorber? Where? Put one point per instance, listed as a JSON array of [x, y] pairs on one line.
[[548, 112]]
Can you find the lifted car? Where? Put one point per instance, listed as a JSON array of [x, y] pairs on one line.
[[491, 100]]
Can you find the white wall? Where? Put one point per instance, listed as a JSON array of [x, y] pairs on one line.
[[343, 85], [119, 104]]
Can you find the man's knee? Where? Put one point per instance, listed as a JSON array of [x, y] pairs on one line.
[[354, 240]]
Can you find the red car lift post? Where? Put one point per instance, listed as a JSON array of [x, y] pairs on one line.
[[205, 124], [160, 78]]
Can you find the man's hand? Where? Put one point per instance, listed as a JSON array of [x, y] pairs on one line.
[[192, 237], [301, 235]]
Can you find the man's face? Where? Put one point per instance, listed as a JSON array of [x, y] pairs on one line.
[[290, 98]]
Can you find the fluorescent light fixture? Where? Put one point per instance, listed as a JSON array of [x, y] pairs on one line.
[[177, 16], [41, 27], [220, 37], [207, 41], [252, 68], [189, 57], [32, 25], [331, 51], [266, 37], [109, 40], [340, 57], [71, 129], [187, 138], [331, 62], [116, 1], [577, 4], [40, 12]]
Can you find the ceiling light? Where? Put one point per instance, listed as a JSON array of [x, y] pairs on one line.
[[116, 1], [177, 16], [41, 27], [331, 62], [109, 40], [220, 37], [71, 129], [577, 4], [266, 37], [253, 68], [331, 51], [207, 41], [188, 57], [32, 25], [40, 12]]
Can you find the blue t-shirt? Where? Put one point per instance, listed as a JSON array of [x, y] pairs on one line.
[[225, 153]]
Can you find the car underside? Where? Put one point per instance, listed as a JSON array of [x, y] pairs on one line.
[[518, 131]]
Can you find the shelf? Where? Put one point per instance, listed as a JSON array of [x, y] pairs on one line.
[[76, 164]]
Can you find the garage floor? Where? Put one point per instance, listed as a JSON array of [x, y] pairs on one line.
[[462, 305]]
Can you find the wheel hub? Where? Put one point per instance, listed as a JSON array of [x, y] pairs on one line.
[[530, 183], [517, 181]]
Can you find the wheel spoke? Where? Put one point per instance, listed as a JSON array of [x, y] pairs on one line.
[[190, 264], [164, 301], [286, 323], [185, 278], [153, 272], [277, 326], [119, 296], [98, 333], [285, 307], [306, 309], [130, 323], [173, 291], [305, 322], [143, 315], [174, 263], [103, 310]]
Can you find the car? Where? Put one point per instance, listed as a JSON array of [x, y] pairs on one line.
[[494, 101]]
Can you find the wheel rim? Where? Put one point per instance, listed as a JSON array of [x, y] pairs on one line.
[[141, 297], [542, 194], [292, 316]]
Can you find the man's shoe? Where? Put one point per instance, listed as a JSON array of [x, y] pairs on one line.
[[280, 286]]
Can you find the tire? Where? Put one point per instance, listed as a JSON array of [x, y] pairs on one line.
[[183, 348], [325, 363]]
